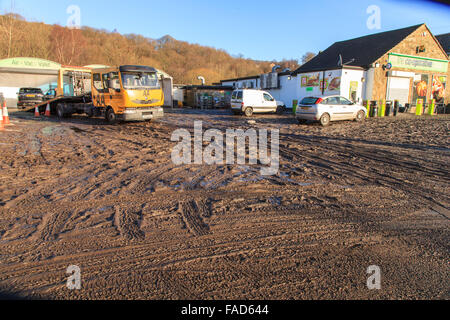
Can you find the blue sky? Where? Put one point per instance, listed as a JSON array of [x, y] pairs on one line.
[[263, 29]]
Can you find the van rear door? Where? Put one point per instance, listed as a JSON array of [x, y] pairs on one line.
[[236, 100]]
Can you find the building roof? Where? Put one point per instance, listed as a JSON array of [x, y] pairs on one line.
[[205, 87], [444, 40], [360, 52], [284, 73], [239, 79]]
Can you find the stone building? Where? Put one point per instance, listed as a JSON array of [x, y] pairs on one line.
[[405, 64]]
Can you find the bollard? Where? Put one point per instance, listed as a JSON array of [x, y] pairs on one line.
[[382, 109], [396, 107], [419, 107], [432, 107], [374, 109], [294, 106], [367, 103]]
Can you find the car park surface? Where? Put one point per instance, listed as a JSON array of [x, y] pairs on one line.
[[347, 196]]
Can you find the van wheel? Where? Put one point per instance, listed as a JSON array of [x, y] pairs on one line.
[[325, 120], [111, 117], [281, 110], [248, 112], [361, 116]]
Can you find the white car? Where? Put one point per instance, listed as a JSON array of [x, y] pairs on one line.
[[327, 109], [250, 101]]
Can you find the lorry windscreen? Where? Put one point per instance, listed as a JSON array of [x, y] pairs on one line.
[[138, 81]]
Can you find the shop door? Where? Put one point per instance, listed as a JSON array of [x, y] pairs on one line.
[[399, 89]]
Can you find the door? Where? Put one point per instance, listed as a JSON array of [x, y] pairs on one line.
[[270, 105], [346, 109], [399, 89], [334, 108], [113, 97]]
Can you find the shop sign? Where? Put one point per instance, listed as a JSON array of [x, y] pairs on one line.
[[418, 63]]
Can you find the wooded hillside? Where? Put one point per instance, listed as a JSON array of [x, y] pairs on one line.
[[182, 60]]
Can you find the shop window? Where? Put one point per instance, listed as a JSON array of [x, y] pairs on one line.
[[438, 88], [420, 87]]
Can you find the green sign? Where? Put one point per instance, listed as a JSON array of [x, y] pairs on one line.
[[29, 63], [309, 89], [418, 63]]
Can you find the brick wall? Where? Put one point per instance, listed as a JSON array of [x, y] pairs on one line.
[[408, 46]]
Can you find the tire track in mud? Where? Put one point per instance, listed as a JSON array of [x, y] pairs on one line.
[[128, 223], [193, 214], [395, 162], [52, 225]]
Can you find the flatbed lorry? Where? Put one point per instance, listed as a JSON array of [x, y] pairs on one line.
[[124, 93]]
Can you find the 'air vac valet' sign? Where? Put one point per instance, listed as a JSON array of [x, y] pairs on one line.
[[418, 63]]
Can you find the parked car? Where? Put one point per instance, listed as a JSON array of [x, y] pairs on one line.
[[250, 101], [28, 97], [327, 109], [50, 94]]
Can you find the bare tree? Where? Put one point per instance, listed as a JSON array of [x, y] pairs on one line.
[[9, 26], [308, 57], [67, 44]]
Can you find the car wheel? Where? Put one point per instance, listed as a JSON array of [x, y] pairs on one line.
[[361, 116], [248, 112], [302, 121], [325, 120], [111, 117]]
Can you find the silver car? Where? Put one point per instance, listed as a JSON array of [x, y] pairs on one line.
[[327, 109]]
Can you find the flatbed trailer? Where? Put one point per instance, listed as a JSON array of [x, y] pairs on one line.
[[126, 93]]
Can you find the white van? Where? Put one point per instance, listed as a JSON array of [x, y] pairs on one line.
[[250, 101]]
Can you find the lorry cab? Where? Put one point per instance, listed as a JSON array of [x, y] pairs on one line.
[[128, 93]]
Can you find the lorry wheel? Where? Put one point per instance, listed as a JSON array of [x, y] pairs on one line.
[[248, 112], [111, 117], [60, 111], [90, 112], [325, 120]]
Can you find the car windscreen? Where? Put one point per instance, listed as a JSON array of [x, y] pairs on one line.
[[309, 101], [30, 90]]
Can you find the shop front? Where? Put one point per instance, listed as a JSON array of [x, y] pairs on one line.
[[414, 79]]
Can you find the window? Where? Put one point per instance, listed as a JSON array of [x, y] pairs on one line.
[[240, 95], [268, 97], [105, 78], [332, 101], [97, 81], [345, 102], [309, 101]]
